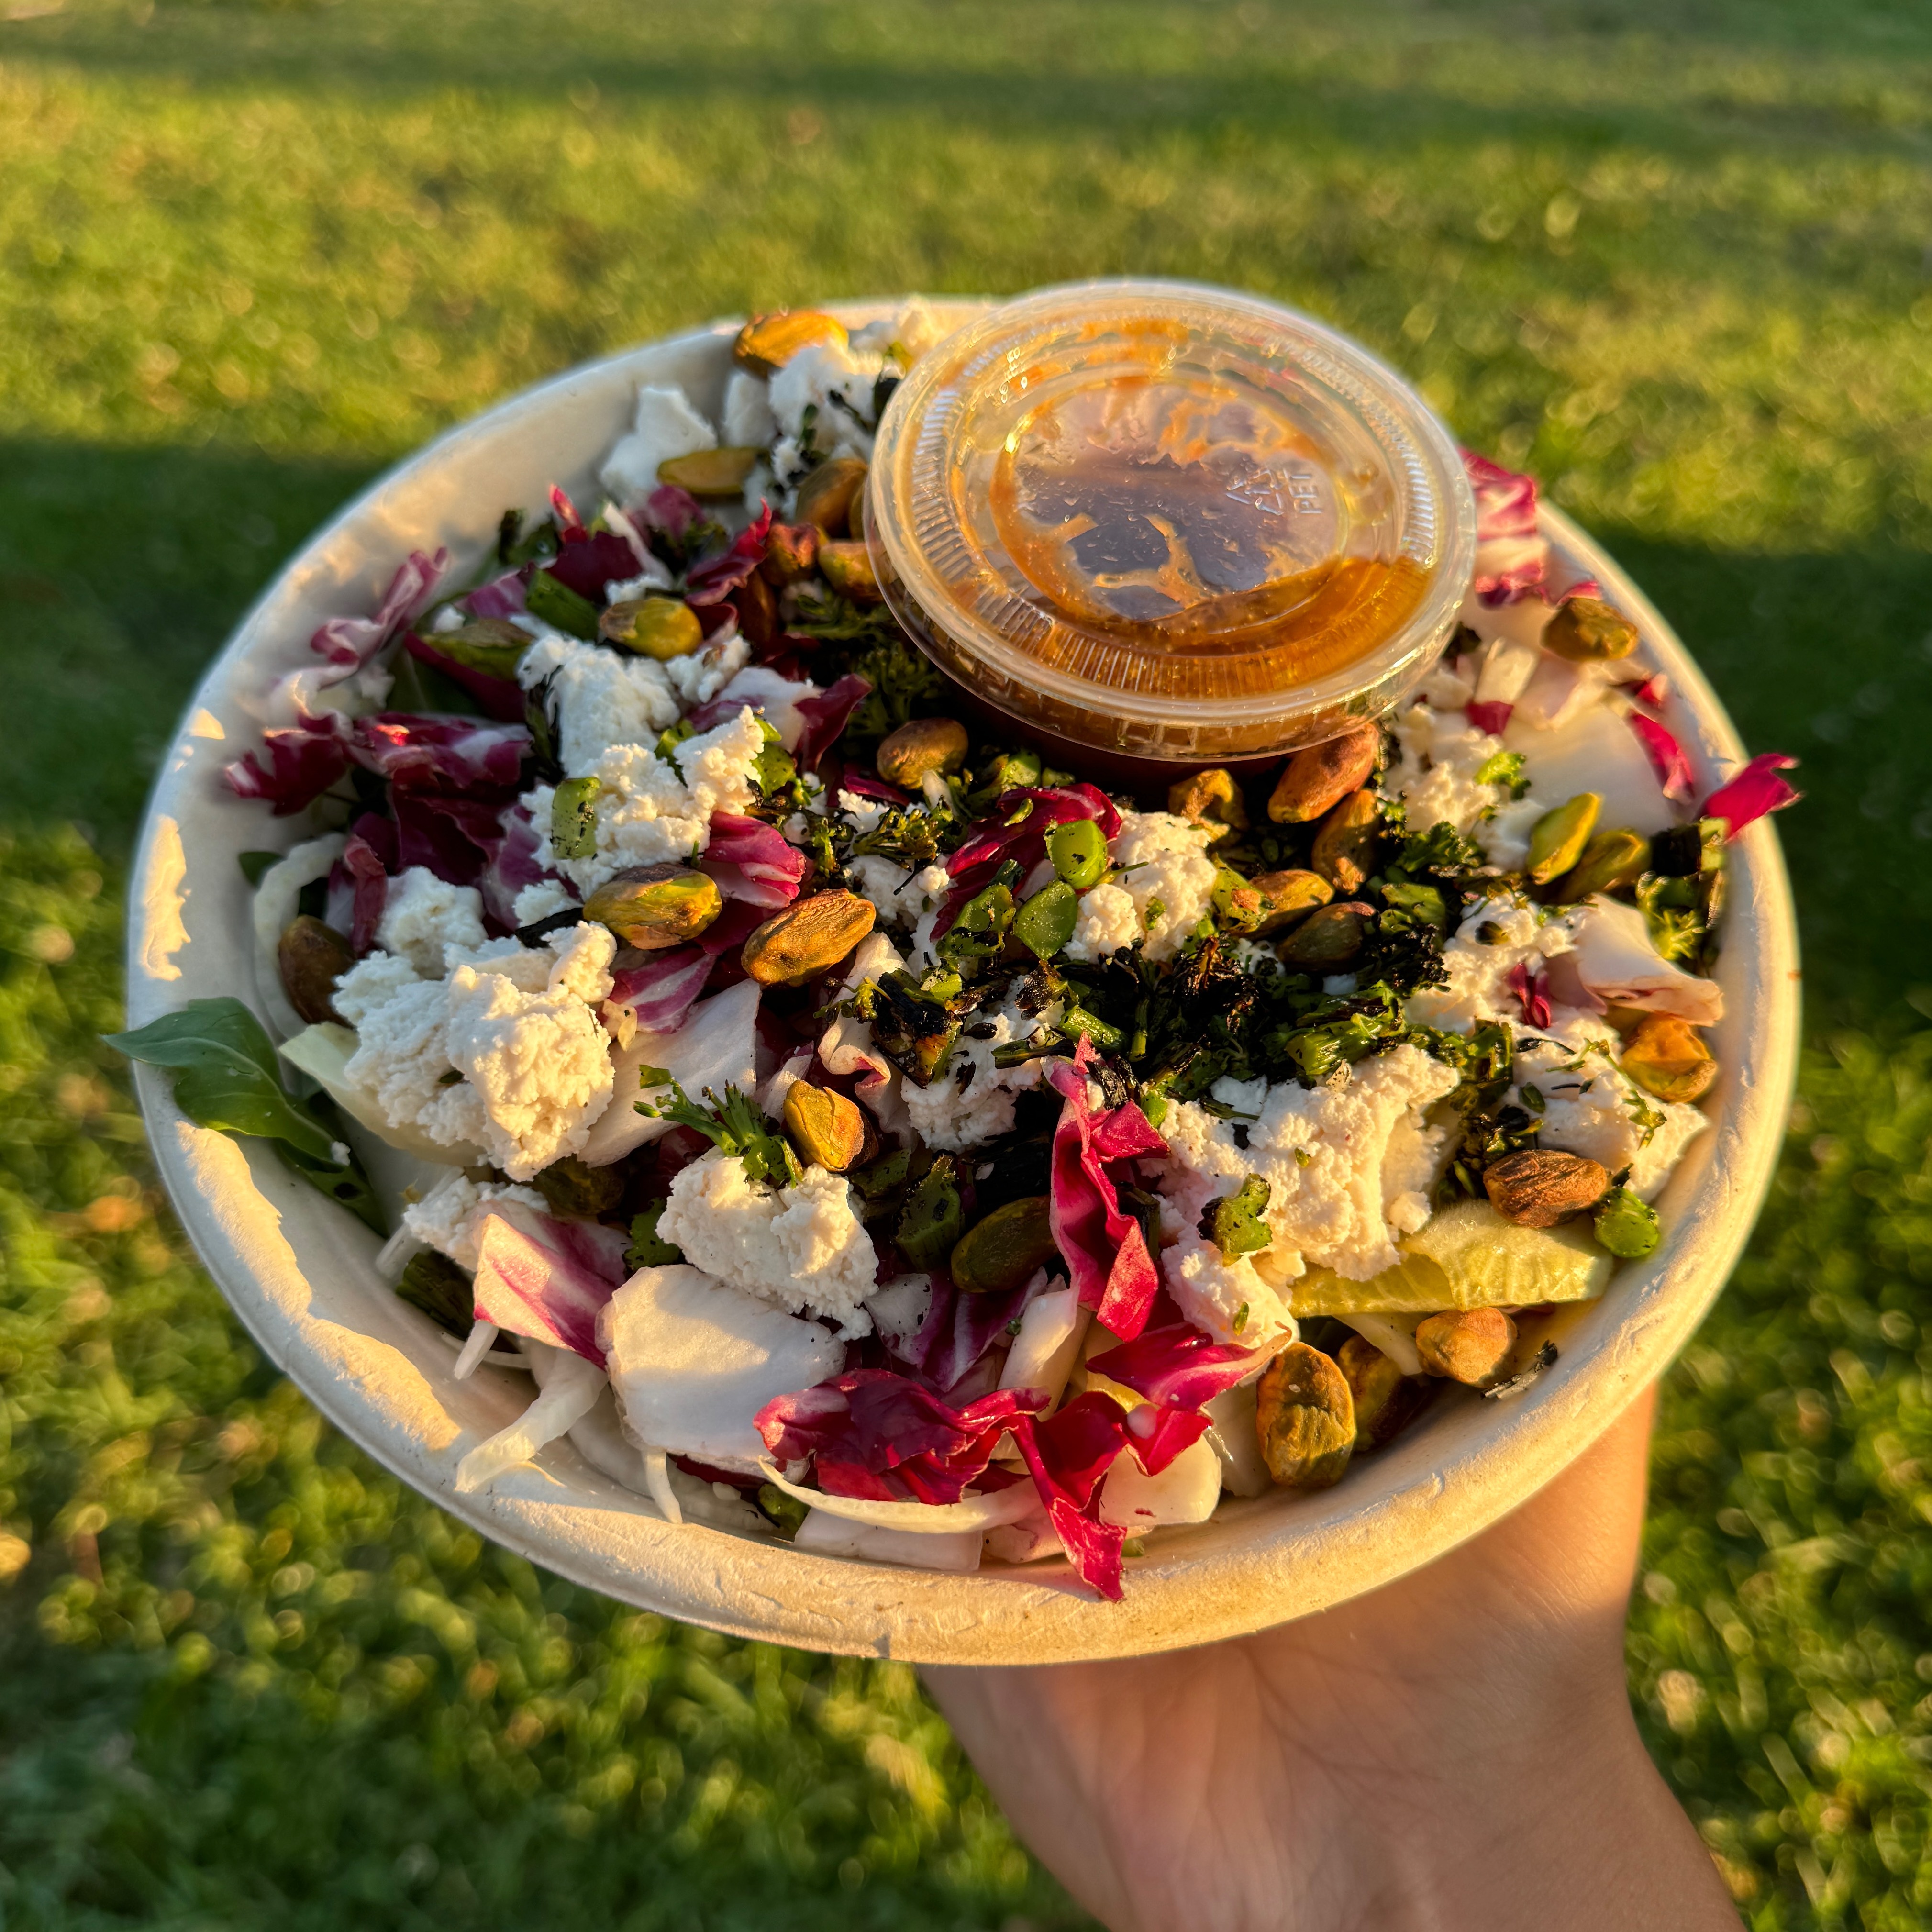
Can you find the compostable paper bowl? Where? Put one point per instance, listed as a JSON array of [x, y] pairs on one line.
[[299, 1271]]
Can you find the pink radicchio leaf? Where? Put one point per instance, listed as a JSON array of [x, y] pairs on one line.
[[1104, 1246], [1532, 995], [1747, 797], [642, 559], [504, 596], [1016, 829], [825, 717], [548, 1279], [713, 582], [303, 761], [861, 785], [453, 838], [590, 560], [515, 859], [369, 882], [883, 1426], [1069, 1455], [1179, 1367], [1666, 754], [664, 989], [751, 861], [1157, 1434], [1488, 715], [1510, 557], [502, 698], [348, 643], [675, 512], [570, 525], [979, 1322], [1584, 586], [439, 753], [1651, 691]]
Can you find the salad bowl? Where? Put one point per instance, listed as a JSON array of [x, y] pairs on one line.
[[302, 1276]]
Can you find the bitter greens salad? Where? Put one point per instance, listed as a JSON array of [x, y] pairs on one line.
[[867, 1134]]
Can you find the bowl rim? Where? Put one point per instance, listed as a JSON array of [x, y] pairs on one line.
[[373, 1372]]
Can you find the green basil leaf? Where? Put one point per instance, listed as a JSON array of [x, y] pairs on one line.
[[225, 1076]]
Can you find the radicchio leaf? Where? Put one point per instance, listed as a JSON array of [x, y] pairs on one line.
[[501, 597], [1104, 1246], [502, 698], [588, 560], [1532, 995], [1179, 1366], [662, 989], [1747, 797], [1510, 557], [713, 582], [303, 761], [516, 858], [826, 716], [752, 861], [1666, 754], [1488, 715], [548, 1279], [439, 753], [348, 643], [361, 865]]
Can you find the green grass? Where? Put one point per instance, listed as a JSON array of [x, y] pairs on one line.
[[1670, 255]]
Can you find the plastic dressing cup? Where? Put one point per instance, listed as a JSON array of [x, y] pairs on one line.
[[1169, 523]]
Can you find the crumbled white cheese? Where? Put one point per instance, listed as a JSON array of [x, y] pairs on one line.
[[449, 1217], [1496, 936], [505, 1052], [863, 813], [699, 676], [650, 808], [665, 425], [903, 897], [801, 1247], [748, 421], [836, 380], [778, 697], [543, 900], [1325, 1153], [1434, 773], [1163, 868], [422, 914], [602, 698], [971, 1100]]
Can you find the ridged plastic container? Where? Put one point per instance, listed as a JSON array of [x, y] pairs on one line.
[[1166, 522]]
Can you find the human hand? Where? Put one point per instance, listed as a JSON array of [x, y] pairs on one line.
[[1455, 1750]]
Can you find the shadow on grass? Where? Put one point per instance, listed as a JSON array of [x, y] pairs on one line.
[[121, 571]]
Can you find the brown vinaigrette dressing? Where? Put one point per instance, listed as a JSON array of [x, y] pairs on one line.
[[1167, 522]]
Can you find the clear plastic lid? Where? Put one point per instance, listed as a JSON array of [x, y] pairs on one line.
[[1169, 521]]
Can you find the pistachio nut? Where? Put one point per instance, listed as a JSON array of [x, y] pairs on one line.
[[1305, 1417], [757, 605], [710, 472], [1619, 857], [1557, 839], [925, 745], [311, 957], [571, 1186], [1209, 798], [1470, 1345], [1328, 939], [1288, 896], [825, 495], [1540, 1187], [1667, 1057], [492, 645], [654, 907], [1585, 630], [791, 551], [1317, 779], [828, 1130], [1386, 1400], [652, 627], [1238, 904], [1005, 1249], [1625, 1225], [1344, 851], [807, 938], [767, 343], [846, 564]]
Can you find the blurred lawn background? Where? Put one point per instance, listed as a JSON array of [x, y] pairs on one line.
[[1672, 255]]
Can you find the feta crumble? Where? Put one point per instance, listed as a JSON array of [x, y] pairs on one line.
[[422, 914], [664, 426], [1164, 875], [602, 698]]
